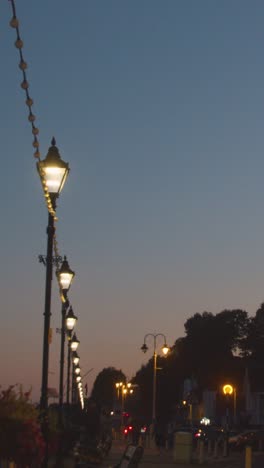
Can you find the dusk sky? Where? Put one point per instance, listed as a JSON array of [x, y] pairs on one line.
[[158, 106]]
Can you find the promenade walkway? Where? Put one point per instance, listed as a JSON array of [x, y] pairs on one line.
[[153, 459]]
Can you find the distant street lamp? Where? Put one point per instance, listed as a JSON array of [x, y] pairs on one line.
[[165, 350], [229, 390], [126, 390], [70, 323], [65, 277], [118, 387], [74, 345]]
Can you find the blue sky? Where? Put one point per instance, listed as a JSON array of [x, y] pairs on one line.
[[158, 106]]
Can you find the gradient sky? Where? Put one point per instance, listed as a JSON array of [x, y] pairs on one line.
[[158, 106]]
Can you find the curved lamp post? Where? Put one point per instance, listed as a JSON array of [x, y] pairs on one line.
[[228, 390], [165, 350], [55, 172], [65, 277]]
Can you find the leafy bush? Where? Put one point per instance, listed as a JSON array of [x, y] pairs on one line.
[[21, 439]]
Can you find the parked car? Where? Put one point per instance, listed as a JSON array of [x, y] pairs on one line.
[[254, 438], [233, 437]]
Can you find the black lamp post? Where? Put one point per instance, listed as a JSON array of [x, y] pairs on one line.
[[65, 277], [70, 323], [74, 345], [165, 350], [76, 370], [53, 173]]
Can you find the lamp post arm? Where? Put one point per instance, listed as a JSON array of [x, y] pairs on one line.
[[154, 336]]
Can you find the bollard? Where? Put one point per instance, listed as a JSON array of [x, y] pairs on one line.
[[201, 452], [225, 451], [248, 457], [209, 448], [216, 449]]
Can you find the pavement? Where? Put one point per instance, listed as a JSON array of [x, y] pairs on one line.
[[166, 459]]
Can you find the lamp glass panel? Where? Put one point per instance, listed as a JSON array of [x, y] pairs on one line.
[[70, 322], [65, 280], [74, 345], [165, 350], [55, 178]]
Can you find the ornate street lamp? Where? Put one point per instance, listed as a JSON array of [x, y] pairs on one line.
[[165, 350], [74, 342], [70, 319], [53, 171], [75, 358], [65, 276], [118, 387]]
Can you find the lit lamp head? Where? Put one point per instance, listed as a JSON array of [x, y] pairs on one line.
[[78, 378], [228, 389], [54, 170], [65, 276], [165, 349], [144, 348], [74, 342], [77, 370], [75, 358], [70, 320]]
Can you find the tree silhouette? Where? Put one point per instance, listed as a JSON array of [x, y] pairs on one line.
[[104, 389]]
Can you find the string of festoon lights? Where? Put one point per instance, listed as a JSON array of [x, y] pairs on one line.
[[14, 23]]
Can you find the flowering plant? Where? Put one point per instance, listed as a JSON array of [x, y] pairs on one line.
[[20, 436]]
